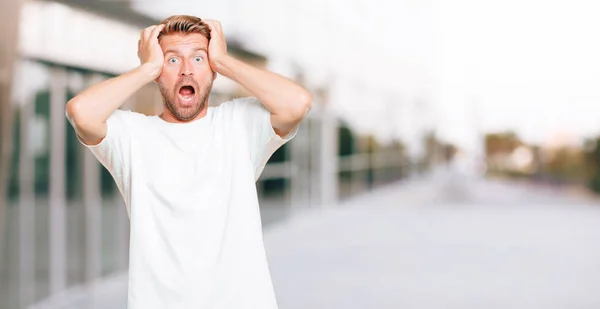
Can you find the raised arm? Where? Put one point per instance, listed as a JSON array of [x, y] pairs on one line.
[[89, 110], [287, 101]]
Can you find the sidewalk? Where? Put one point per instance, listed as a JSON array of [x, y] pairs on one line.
[[111, 292], [575, 191], [401, 246]]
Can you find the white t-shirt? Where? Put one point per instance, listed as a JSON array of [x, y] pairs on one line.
[[196, 236]]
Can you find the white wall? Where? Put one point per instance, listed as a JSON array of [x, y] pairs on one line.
[[58, 33]]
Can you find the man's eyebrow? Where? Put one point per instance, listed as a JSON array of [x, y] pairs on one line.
[[175, 51]]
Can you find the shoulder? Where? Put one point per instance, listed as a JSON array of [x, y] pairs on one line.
[[128, 117], [243, 106], [124, 114], [242, 103], [127, 114]]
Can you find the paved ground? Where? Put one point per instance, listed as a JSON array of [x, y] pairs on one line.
[[449, 241], [452, 242]]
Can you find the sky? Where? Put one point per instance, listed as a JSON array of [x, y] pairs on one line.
[[460, 67], [528, 65]]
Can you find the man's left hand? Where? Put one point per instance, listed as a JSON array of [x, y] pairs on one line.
[[217, 47]]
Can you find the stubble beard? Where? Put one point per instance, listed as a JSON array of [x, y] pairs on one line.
[[186, 113]]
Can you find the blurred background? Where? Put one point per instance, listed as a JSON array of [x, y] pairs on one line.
[[451, 158]]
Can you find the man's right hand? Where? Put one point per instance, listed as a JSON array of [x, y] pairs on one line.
[[149, 50]]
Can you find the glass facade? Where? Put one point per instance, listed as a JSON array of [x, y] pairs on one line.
[[33, 135]]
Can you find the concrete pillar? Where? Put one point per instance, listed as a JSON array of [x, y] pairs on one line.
[[92, 204], [58, 95], [26, 206], [315, 181], [299, 159], [328, 159]]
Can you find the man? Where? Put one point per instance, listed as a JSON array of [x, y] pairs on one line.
[[188, 175]]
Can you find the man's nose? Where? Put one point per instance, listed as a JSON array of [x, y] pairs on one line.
[[187, 69]]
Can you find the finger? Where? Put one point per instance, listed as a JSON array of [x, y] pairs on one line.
[[142, 35], [156, 31], [211, 24], [218, 27], [147, 33]]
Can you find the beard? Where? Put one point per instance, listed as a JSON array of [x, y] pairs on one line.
[[188, 112]]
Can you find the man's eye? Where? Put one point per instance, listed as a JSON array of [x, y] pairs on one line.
[[173, 60], [198, 59]]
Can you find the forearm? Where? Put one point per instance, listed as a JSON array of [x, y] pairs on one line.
[[98, 102], [280, 95], [89, 110]]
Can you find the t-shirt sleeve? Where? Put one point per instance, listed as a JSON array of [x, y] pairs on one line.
[[262, 139], [113, 152]]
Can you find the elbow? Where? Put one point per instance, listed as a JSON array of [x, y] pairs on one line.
[[72, 111], [303, 105], [307, 100], [295, 108], [76, 115]]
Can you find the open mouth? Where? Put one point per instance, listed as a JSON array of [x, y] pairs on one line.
[[186, 94]]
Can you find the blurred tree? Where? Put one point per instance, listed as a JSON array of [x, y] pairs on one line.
[[566, 164], [13, 172], [373, 147], [592, 155], [501, 143], [346, 140], [498, 149], [346, 147]]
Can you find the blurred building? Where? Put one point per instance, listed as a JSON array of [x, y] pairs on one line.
[[67, 205], [65, 225]]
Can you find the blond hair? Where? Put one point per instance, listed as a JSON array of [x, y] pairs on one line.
[[184, 24]]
